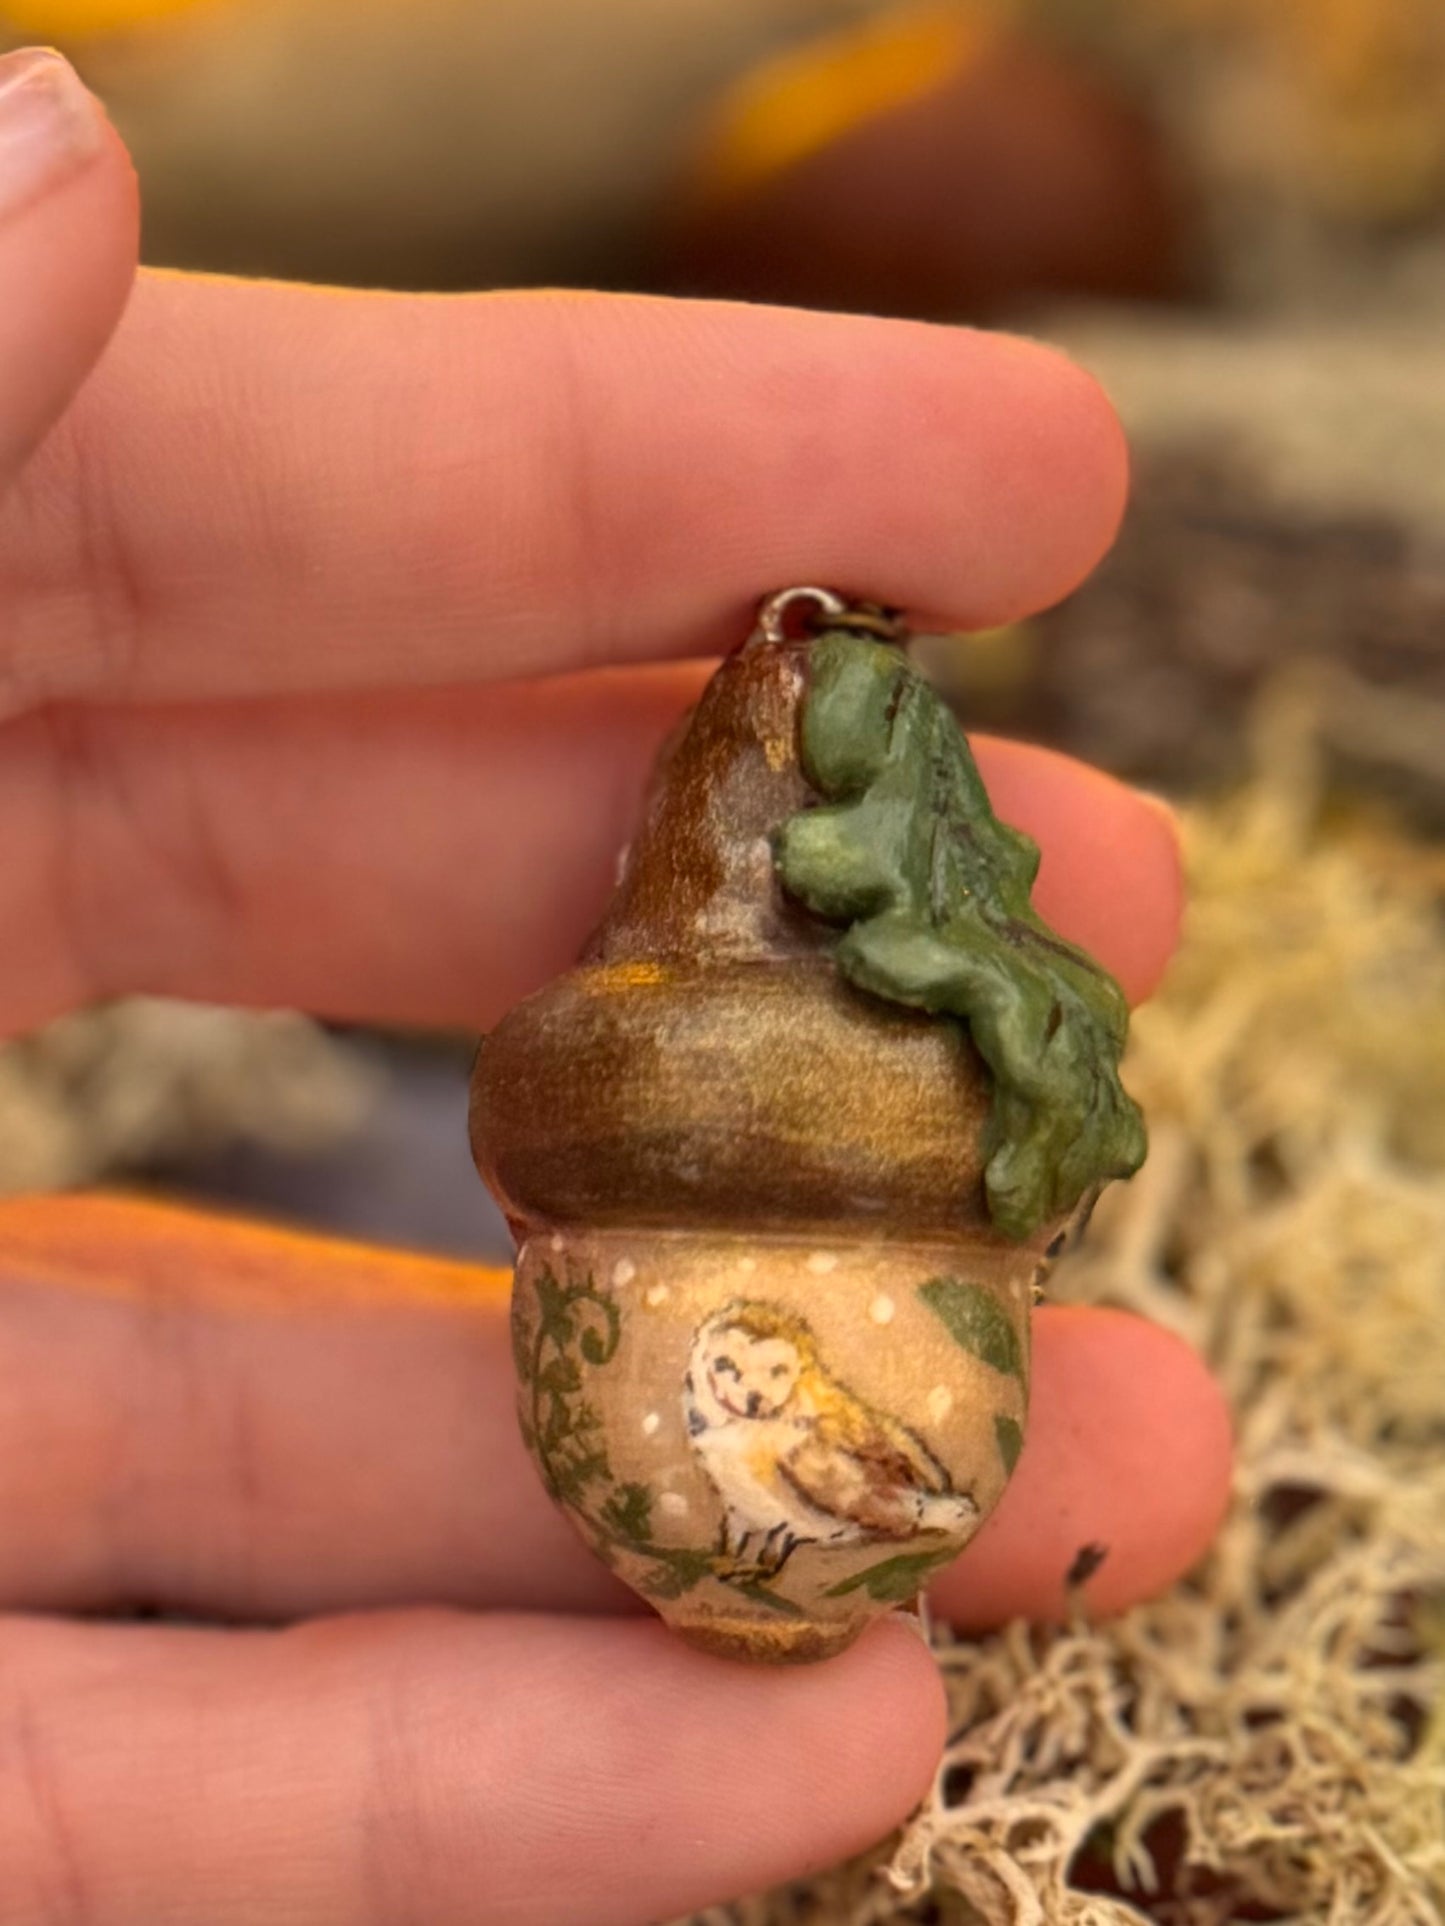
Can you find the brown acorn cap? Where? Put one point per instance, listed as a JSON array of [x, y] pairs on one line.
[[704, 1065]]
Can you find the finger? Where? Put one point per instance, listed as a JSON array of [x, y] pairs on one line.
[[522, 1771], [274, 489], [68, 238], [428, 857], [1129, 1457], [224, 1420]]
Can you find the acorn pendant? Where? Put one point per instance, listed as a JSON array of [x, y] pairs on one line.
[[789, 1150]]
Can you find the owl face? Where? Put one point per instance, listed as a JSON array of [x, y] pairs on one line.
[[745, 1375]]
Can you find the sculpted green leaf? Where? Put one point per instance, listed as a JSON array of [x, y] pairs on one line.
[[934, 891]]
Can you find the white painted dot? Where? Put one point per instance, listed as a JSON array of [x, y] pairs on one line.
[[654, 1295], [623, 1271], [882, 1308], [940, 1403], [747, 1265], [672, 1504], [650, 1424], [821, 1262], [555, 1241]]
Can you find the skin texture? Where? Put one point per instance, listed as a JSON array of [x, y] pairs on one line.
[[273, 594]]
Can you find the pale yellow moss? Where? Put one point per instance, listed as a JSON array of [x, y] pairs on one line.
[[144, 1079], [1277, 1710]]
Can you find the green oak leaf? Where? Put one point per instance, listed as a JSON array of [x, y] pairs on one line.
[[934, 892], [976, 1321]]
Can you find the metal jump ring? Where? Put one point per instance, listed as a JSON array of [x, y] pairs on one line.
[[832, 609]]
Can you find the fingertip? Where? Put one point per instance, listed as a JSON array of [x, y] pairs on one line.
[[900, 1717], [876, 1715], [742, 1775], [117, 179], [1071, 434], [1111, 878], [969, 477], [69, 241], [853, 1745], [1129, 1450]]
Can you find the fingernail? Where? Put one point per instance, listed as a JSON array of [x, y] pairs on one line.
[[49, 126]]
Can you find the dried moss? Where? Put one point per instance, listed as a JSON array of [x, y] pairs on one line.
[[129, 1083], [1265, 1741]]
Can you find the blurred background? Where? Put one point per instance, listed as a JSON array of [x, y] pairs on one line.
[[1233, 211]]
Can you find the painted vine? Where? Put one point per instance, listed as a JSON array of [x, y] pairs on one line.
[[564, 1432]]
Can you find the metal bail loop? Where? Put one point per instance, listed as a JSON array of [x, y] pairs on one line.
[[828, 610]]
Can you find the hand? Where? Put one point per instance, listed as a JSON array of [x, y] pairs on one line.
[[278, 596]]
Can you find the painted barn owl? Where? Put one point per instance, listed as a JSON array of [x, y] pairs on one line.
[[796, 1458]]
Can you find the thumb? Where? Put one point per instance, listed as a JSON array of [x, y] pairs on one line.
[[68, 241]]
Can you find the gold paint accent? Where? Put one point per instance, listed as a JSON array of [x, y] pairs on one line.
[[778, 752], [734, 1094], [635, 975], [782, 1642]]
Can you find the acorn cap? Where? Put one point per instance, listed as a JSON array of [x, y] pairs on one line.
[[705, 1065]]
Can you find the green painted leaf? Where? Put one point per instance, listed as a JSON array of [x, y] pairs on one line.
[[599, 1338], [897, 1579], [675, 1572], [628, 1511], [560, 1376], [568, 1478], [1010, 1435], [934, 890], [770, 1600], [553, 1302], [522, 1346], [976, 1321]]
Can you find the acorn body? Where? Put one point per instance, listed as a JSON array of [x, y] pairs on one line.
[[772, 1439], [772, 1347]]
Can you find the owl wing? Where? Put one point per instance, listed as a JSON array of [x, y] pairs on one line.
[[855, 1466]]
